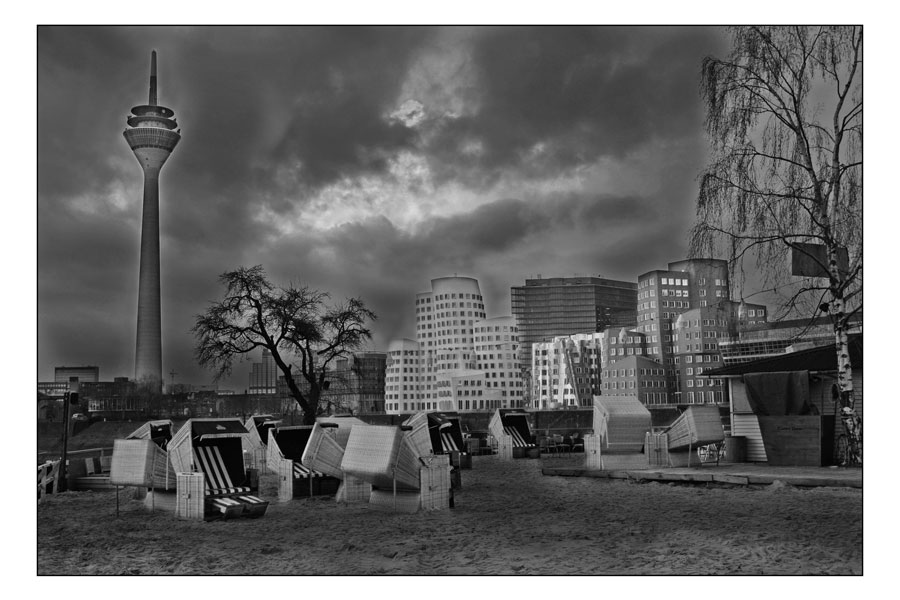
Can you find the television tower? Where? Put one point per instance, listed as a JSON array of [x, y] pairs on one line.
[[151, 137]]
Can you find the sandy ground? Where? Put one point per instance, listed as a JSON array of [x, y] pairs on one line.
[[509, 519]]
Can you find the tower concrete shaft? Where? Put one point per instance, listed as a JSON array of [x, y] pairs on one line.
[[151, 137]]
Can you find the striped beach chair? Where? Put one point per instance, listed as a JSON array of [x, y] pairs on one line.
[[517, 439], [448, 444], [510, 428], [284, 456], [214, 447], [225, 498], [435, 433]]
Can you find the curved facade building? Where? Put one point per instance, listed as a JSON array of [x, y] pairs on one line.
[[401, 376], [444, 320], [451, 330], [566, 371]]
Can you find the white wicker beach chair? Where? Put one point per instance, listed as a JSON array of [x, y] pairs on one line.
[[214, 447]]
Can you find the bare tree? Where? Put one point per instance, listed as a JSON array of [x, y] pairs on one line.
[[290, 322], [784, 113]]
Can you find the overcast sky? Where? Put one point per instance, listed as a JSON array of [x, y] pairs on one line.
[[360, 161]]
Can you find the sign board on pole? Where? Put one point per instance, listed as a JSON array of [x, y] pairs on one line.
[[811, 260]]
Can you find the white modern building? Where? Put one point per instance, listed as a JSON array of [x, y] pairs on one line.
[[402, 385], [497, 355], [460, 360], [565, 372]]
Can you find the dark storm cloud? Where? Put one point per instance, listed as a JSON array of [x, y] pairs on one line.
[[386, 266], [272, 117], [583, 91]]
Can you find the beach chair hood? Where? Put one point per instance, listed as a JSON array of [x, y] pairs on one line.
[[160, 432], [203, 432]]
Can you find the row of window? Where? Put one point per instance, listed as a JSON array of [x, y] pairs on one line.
[[629, 385], [705, 397], [704, 382], [699, 358], [630, 339], [674, 304]]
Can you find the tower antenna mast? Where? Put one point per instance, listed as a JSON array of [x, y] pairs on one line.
[[152, 137]]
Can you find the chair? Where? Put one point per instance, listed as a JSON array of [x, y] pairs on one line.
[[213, 447], [577, 442], [225, 498], [548, 446], [561, 444], [284, 450], [511, 426]]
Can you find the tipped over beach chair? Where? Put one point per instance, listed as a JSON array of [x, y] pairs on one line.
[[697, 426], [383, 456], [389, 458], [141, 459], [284, 456], [324, 452], [436, 433], [439, 434], [213, 447]]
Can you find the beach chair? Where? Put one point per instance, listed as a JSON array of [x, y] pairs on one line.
[[621, 424], [324, 452], [142, 459], [159, 432], [696, 427], [255, 443], [513, 433], [383, 456], [437, 433], [389, 458], [284, 456], [214, 447]]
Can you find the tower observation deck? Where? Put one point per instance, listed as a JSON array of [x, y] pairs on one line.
[[152, 135]]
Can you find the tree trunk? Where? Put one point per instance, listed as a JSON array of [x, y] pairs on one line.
[[844, 398], [309, 413]]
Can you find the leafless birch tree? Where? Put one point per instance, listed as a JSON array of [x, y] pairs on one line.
[[784, 114]]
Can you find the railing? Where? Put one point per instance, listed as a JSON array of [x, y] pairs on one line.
[[86, 453], [47, 479]]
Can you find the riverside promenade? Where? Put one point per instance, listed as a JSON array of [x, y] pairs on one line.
[[723, 473]]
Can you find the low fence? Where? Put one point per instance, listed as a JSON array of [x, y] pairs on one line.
[[88, 463], [48, 478]]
